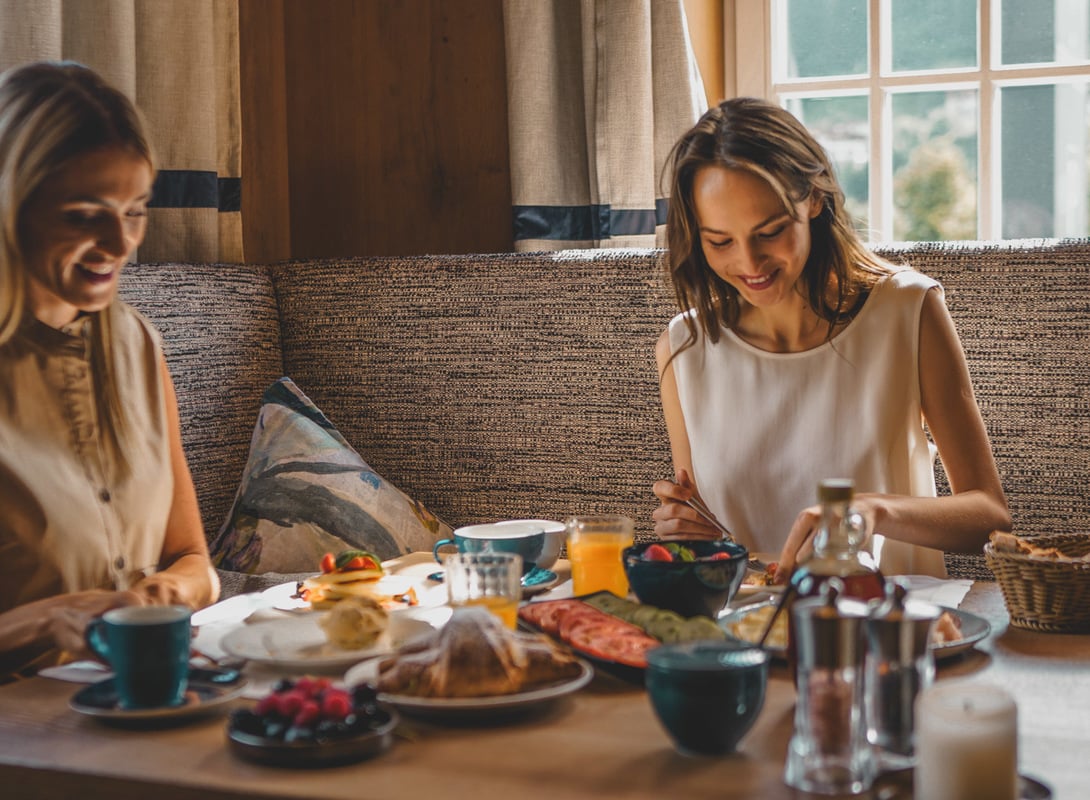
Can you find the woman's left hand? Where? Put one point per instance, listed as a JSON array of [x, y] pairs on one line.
[[799, 546]]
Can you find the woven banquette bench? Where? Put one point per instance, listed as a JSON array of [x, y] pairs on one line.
[[523, 385]]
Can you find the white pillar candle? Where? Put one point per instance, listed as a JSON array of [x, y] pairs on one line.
[[966, 743]]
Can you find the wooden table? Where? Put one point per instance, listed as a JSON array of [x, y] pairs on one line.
[[601, 742]]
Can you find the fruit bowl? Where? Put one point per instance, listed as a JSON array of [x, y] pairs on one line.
[[701, 576], [273, 734]]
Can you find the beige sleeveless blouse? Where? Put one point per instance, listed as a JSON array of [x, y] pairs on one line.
[[764, 427], [67, 521]]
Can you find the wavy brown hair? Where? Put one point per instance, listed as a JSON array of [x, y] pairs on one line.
[[764, 139]]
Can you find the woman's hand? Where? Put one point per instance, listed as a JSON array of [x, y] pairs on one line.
[[69, 617], [674, 519], [799, 546], [164, 589]]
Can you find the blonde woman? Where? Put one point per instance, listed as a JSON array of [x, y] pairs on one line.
[[97, 506], [800, 355]]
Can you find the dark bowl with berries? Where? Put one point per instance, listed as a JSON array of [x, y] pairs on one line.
[[309, 722], [691, 577]]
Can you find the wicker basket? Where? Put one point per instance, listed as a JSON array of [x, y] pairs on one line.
[[1043, 595]]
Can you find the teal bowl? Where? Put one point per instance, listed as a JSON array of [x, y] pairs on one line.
[[707, 695], [689, 588]]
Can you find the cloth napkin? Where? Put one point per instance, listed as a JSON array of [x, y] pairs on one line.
[[947, 592]]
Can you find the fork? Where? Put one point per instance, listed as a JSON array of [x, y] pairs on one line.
[[698, 506]]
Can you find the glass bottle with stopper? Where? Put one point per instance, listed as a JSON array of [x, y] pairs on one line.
[[838, 553], [838, 548]]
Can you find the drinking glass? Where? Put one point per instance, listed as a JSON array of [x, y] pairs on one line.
[[595, 547], [489, 580]]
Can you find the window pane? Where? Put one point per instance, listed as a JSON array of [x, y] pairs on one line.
[[935, 165], [824, 39], [1044, 160], [840, 125], [933, 34], [1044, 32]]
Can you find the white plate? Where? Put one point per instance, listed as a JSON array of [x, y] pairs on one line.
[[751, 589], [973, 629], [282, 596], [299, 643], [461, 707]]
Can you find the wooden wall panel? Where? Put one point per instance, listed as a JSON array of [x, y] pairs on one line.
[[396, 127], [266, 199]]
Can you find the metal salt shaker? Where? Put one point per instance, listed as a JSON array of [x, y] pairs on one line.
[[829, 752], [899, 665]]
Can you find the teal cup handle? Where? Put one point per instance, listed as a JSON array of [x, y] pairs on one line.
[[441, 543], [148, 649]]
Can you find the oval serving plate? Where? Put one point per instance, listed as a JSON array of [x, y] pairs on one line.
[[299, 643], [746, 623], [463, 708], [314, 754]]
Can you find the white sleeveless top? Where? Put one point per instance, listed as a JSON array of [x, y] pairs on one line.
[[765, 427]]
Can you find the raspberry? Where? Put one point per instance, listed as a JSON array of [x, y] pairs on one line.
[[336, 704], [308, 713], [266, 705], [289, 703]]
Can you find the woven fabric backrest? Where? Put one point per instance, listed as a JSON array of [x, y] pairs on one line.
[[221, 335], [1023, 312], [523, 384], [490, 387]]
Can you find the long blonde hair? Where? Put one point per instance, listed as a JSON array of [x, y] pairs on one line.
[[764, 139], [50, 113]]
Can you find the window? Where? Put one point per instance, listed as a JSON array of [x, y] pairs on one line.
[[945, 119]]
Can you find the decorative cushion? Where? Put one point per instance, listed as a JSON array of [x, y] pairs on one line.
[[305, 492]]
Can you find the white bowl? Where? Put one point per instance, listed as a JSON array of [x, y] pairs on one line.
[[555, 534]]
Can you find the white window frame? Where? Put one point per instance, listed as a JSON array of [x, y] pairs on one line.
[[748, 31]]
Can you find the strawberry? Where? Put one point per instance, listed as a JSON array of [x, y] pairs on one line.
[[720, 556], [657, 552], [329, 563]]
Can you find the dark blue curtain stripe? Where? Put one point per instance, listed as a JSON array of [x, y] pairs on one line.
[[230, 194], [584, 223], [191, 188]]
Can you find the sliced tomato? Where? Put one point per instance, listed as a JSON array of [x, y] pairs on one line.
[[577, 617], [624, 648], [546, 615]]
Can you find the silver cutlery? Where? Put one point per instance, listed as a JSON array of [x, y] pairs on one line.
[[698, 506]]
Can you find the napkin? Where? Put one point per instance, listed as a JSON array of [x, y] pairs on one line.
[[940, 591], [78, 672]]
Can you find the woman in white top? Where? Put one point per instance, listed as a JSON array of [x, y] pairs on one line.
[[801, 355]]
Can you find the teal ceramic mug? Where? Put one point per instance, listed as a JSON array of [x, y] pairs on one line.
[[148, 649], [526, 539]]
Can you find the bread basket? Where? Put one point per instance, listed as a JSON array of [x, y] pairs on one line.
[[1042, 593]]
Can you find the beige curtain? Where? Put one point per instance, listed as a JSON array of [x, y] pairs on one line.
[[179, 61], [598, 92]]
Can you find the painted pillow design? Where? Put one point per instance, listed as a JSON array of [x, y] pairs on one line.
[[305, 491]]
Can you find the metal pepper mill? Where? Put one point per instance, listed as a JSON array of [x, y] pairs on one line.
[[829, 752], [899, 665]]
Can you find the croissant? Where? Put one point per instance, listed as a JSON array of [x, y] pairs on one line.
[[474, 655]]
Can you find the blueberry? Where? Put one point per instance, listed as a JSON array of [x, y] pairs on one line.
[[297, 733], [364, 693]]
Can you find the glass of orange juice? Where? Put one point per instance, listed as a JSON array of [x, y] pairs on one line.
[[489, 580], [595, 545]]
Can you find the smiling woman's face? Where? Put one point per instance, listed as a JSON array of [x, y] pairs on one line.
[[79, 229], [748, 237]]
